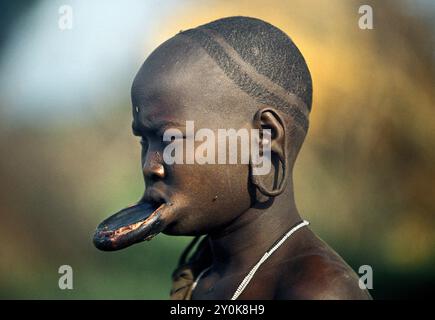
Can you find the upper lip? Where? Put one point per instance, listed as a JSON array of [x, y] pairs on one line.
[[155, 195]]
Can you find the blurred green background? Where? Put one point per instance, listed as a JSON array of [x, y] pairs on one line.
[[365, 177]]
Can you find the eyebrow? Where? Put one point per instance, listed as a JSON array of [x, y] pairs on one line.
[[158, 126]]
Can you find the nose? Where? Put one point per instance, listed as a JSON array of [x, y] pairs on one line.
[[153, 168]]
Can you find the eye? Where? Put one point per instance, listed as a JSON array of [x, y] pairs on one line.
[[172, 139], [182, 137]]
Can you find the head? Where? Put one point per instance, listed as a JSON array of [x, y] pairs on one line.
[[233, 73]]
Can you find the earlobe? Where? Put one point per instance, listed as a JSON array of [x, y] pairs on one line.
[[269, 118]]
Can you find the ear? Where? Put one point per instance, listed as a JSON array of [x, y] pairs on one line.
[[269, 118]]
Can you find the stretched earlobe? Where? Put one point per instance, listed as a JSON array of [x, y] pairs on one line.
[[269, 118]]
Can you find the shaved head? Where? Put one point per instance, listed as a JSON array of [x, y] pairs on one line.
[[257, 59], [247, 49]]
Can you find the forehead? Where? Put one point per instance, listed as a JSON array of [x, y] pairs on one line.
[[179, 81]]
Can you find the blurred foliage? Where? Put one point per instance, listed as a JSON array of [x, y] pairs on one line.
[[364, 178]]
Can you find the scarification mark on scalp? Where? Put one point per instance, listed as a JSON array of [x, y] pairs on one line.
[[246, 78]]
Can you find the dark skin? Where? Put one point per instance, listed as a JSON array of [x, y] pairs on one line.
[[180, 82]]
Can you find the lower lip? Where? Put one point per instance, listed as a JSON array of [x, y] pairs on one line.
[[124, 236]]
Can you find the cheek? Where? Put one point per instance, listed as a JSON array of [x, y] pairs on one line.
[[230, 181], [215, 192]]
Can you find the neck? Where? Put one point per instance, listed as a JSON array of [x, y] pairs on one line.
[[247, 238]]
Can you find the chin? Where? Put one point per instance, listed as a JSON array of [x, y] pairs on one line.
[[180, 229]]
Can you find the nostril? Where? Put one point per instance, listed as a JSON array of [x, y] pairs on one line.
[[159, 171], [155, 171], [153, 168]]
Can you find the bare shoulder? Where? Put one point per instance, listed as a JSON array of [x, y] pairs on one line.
[[319, 274]]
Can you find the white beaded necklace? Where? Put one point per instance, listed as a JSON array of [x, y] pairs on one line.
[[251, 273]]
